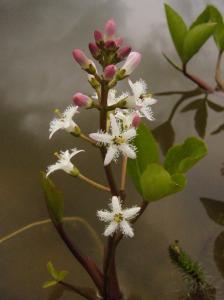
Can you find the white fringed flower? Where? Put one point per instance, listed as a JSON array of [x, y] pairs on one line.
[[63, 162], [65, 121], [118, 141], [126, 118], [112, 97], [118, 218], [138, 101]]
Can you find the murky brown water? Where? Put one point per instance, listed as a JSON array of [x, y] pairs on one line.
[[37, 75]]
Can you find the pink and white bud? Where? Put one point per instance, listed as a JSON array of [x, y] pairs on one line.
[[98, 36], [131, 63], [110, 44], [94, 49], [119, 41], [110, 28], [81, 58], [81, 100], [136, 120], [109, 72], [123, 52]]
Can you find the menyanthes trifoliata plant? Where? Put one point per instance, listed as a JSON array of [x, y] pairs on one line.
[[121, 137]]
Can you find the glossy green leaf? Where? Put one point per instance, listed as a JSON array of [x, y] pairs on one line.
[[181, 158], [49, 283], [157, 183], [52, 271], [219, 36], [148, 152], [54, 199], [214, 209], [209, 14], [177, 28], [195, 39]]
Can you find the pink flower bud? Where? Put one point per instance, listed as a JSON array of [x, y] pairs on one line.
[[98, 36], [110, 45], [119, 41], [80, 99], [81, 58], [95, 51], [123, 52], [109, 72], [110, 27], [132, 62], [136, 120]]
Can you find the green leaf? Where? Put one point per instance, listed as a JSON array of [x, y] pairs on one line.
[[54, 199], [147, 153], [157, 183], [215, 106], [177, 28], [219, 36], [204, 17], [49, 283], [195, 39], [200, 119], [214, 209], [52, 271], [56, 275], [209, 14], [62, 275], [181, 158]]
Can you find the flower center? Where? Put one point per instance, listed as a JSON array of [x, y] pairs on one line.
[[118, 218], [118, 140]]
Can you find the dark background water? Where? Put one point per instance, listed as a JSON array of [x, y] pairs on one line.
[[38, 74]]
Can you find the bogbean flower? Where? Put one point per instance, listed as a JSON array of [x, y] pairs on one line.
[[86, 63], [110, 28], [118, 141], [112, 97], [64, 163], [118, 218], [139, 102], [65, 121]]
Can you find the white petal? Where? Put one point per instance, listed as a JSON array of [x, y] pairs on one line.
[[112, 97], [126, 228], [111, 228], [101, 137], [105, 215], [131, 85], [129, 134], [131, 102], [70, 112], [53, 168], [112, 153], [55, 125], [116, 205], [127, 150], [149, 101], [131, 213], [74, 151], [148, 113], [114, 125]]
